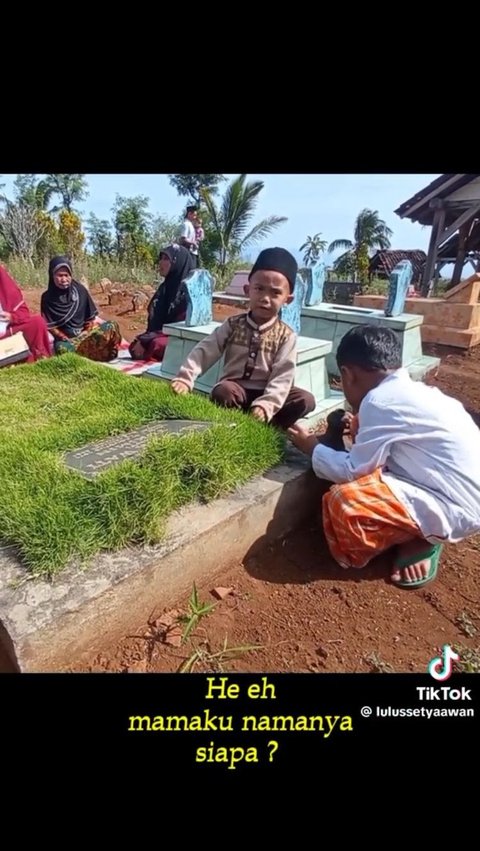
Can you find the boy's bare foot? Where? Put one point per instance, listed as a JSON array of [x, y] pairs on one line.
[[416, 563]]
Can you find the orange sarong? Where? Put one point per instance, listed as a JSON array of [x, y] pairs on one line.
[[362, 519]]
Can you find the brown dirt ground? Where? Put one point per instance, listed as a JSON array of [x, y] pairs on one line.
[[303, 612]]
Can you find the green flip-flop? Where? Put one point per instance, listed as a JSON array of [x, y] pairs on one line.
[[433, 553]]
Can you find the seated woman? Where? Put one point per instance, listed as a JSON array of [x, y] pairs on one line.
[[169, 304], [70, 313], [15, 316]]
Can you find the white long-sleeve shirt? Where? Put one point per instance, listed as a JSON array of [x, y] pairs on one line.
[[428, 449]]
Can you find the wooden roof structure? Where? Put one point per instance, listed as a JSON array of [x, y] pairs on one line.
[[449, 249], [451, 206]]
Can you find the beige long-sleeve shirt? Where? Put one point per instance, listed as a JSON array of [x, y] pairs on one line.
[[259, 357]]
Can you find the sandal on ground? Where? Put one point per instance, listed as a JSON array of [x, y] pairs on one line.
[[433, 553]]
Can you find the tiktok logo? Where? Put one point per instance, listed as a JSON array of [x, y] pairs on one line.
[[441, 667]]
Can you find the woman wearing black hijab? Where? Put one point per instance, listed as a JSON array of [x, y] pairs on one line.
[[70, 313], [169, 304]]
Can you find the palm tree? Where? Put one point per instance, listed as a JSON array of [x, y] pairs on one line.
[[228, 233], [30, 192], [313, 247], [70, 187], [370, 233]]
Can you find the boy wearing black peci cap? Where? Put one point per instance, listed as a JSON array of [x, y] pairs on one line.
[[259, 349]]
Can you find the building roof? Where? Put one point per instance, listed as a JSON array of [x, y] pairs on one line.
[[386, 260], [418, 209]]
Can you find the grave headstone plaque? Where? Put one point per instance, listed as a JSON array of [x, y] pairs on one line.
[[96, 457], [400, 280], [199, 286], [290, 314], [315, 281], [237, 283]]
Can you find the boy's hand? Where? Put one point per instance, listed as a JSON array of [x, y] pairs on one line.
[[341, 424], [350, 424], [258, 412], [302, 439], [180, 388]]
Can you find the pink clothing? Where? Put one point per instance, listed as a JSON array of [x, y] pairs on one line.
[[156, 347], [36, 334], [34, 328]]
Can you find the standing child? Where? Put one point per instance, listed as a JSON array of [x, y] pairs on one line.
[[412, 476], [259, 349], [187, 236], [199, 237], [199, 232]]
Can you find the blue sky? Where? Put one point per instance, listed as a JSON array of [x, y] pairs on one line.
[[326, 203]]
